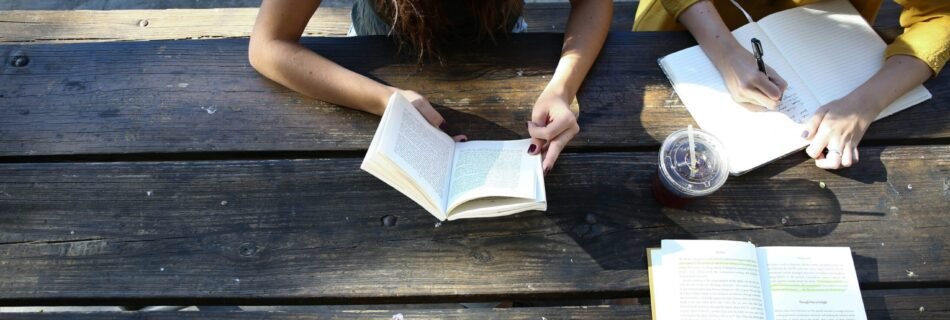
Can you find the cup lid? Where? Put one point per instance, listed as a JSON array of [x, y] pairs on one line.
[[675, 164]]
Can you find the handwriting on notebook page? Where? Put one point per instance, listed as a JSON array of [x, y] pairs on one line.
[[793, 106]]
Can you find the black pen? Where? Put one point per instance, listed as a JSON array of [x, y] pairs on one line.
[[757, 51]]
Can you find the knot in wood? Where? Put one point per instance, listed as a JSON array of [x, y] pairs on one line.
[[591, 218], [388, 221], [20, 61], [247, 249], [481, 256], [143, 23]]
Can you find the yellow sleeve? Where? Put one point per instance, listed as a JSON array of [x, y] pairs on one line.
[[676, 7], [926, 32]]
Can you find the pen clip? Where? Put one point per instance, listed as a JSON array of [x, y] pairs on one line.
[[757, 48]]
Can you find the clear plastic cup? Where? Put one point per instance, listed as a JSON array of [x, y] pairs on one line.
[[678, 179]]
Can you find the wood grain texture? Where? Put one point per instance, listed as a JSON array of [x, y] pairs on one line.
[[202, 96], [310, 231], [126, 25], [135, 25], [907, 304], [879, 304], [592, 312]]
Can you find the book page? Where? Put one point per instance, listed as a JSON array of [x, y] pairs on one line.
[[706, 280], [833, 49], [493, 169], [752, 137], [810, 283], [382, 167], [422, 151]]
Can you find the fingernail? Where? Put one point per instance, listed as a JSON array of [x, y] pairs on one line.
[[442, 126], [805, 134], [532, 148], [546, 170], [464, 140]]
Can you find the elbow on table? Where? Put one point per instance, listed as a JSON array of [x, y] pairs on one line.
[[256, 54], [262, 54]]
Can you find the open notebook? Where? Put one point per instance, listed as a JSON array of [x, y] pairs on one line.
[[823, 50]]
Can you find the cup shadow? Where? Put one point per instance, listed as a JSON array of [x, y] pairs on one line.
[[616, 225]]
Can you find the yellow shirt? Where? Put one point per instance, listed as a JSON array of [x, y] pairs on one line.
[[926, 22]]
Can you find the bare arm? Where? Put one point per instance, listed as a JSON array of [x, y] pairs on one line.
[[584, 36], [276, 53], [552, 124]]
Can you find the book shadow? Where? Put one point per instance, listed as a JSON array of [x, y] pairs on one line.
[[474, 126], [481, 71]]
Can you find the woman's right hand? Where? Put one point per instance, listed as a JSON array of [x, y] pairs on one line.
[[747, 84], [428, 112]]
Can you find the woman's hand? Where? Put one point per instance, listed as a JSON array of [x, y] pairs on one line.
[[552, 123], [552, 126], [747, 84], [839, 127], [428, 112], [738, 67]]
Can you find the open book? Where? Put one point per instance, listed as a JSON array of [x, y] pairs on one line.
[[824, 51], [453, 180], [718, 279]]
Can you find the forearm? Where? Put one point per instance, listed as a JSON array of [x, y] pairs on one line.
[[306, 72], [586, 31], [900, 74], [704, 23]]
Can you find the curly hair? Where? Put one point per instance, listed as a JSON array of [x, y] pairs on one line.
[[426, 25]]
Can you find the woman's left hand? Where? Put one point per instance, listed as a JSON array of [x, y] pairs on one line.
[[838, 127], [552, 126]]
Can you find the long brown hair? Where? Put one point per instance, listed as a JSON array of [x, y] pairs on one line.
[[425, 25]]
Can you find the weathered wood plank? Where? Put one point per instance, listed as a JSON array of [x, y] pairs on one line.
[[879, 304], [931, 303], [169, 24], [310, 231], [591, 312], [202, 96]]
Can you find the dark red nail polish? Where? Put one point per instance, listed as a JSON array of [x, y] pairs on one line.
[[442, 126], [463, 140], [532, 148]]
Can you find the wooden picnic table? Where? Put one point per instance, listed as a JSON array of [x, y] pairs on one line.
[[169, 172]]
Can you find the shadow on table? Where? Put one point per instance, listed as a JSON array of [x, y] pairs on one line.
[[475, 126], [616, 225]]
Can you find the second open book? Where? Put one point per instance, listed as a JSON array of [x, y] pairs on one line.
[[453, 180], [717, 279], [824, 51]]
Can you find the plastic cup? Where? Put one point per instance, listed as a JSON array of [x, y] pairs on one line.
[[678, 179]]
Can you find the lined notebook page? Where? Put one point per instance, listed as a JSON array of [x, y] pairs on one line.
[[833, 49], [752, 137]]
